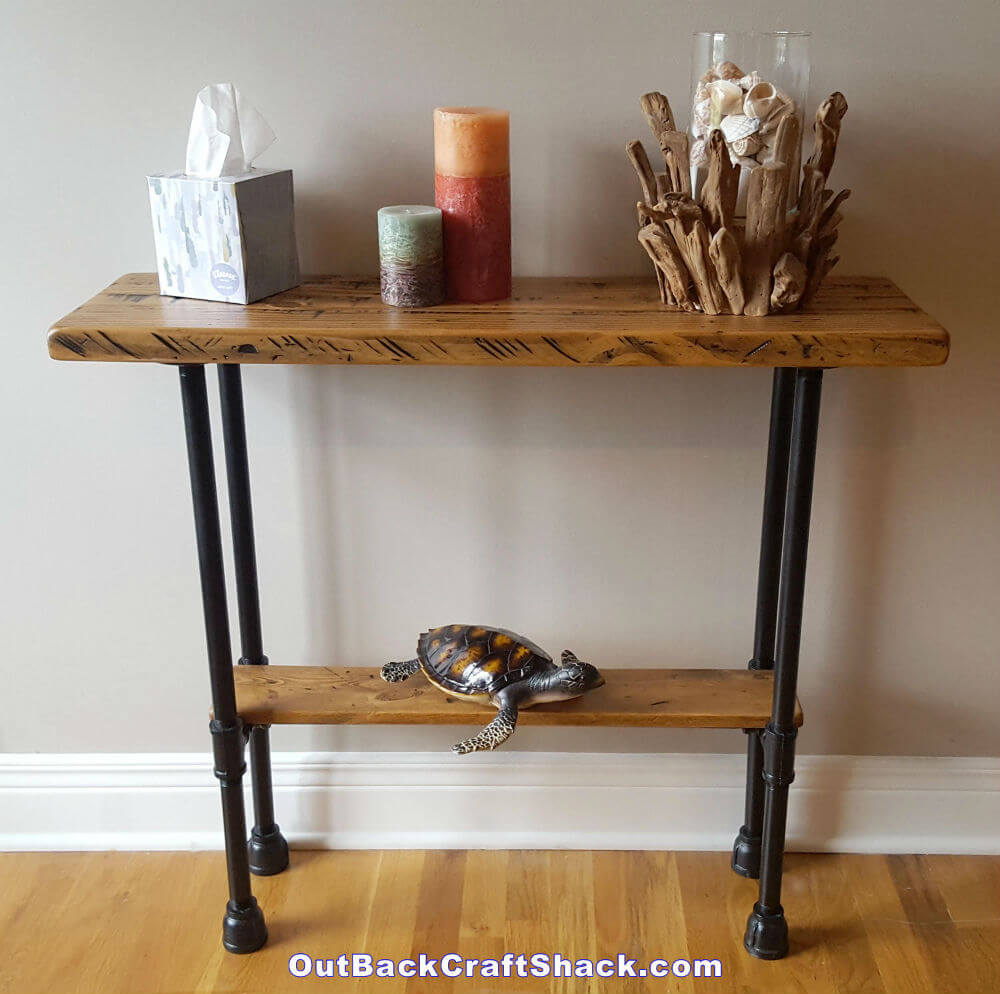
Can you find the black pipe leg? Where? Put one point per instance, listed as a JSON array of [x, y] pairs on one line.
[[267, 848], [767, 931], [746, 848], [243, 927]]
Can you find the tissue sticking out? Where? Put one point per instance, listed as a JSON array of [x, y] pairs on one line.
[[227, 133]]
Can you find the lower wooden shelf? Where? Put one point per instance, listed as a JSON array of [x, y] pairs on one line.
[[645, 698]]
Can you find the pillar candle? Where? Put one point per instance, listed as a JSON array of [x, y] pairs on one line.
[[472, 188], [411, 265]]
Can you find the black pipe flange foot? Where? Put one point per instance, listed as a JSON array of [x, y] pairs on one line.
[[243, 928], [267, 852], [767, 933], [746, 854]]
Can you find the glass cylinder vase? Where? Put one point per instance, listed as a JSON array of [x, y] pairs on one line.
[[744, 84]]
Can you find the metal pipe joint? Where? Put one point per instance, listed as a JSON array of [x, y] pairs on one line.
[[228, 744], [779, 755]]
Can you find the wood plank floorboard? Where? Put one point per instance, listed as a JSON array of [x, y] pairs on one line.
[[149, 923]]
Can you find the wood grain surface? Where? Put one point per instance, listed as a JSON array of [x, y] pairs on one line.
[[854, 321], [149, 923], [681, 698]]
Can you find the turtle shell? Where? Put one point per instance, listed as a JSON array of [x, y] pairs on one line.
[[473, 659]]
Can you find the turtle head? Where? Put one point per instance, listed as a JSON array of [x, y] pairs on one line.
[[576, 677]]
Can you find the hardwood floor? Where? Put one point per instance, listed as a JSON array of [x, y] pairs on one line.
[[149, 923]]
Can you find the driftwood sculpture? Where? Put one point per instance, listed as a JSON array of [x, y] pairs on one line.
[[706, 259]]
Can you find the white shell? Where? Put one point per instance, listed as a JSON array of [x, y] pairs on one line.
[[699, 152], [737, 126], [745, 147], [749, 81], [767, 102], [726, 98], [700, 115]]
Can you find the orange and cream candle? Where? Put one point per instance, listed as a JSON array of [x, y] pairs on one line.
[[472, 188]]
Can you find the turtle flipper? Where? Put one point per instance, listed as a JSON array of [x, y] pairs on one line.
[[495, 733], [396, 672]]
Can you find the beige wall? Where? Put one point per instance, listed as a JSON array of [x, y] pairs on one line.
[[613, 511]]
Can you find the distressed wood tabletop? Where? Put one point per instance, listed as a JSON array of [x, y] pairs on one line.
[[854, 321]]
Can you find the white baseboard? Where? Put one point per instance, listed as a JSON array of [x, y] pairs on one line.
[[501, 801]]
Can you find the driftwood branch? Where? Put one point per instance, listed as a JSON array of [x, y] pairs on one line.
[[816, 277], [647, 178], [674, 144], [724, 252], [718, 195], [660, 246], [826, 131], [789, 282], [656, 109], [766, 199], [695, 248], [826, 220], [816, 171], [683, 219], [650, 186], [788, 149], [666, 297]]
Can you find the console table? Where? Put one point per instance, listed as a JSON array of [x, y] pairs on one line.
[[548, 322]]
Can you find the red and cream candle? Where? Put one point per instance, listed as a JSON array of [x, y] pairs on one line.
[[472, 188]]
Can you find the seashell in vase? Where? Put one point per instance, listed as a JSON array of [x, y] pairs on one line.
[[701, 115], [729, 70], [749, 81], [737, 126], [725, 97], [767, 103], [699, 152], [744, 148]]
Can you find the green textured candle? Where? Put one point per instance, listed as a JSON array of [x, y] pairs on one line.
[[410, 255]]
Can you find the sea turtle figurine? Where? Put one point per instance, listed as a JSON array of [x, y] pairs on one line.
[[513, 672]]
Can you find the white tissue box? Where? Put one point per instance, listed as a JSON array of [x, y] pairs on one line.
[[230, 239]]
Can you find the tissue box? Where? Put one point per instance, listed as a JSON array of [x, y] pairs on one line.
[[230, 239]]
